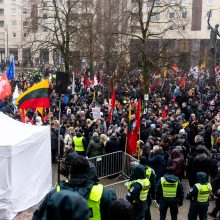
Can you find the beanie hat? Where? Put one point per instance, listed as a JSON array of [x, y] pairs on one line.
[[79, 165]]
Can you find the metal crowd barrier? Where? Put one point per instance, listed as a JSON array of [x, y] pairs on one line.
[[114, 170]]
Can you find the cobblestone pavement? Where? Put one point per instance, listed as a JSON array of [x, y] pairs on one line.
[[121, 192]]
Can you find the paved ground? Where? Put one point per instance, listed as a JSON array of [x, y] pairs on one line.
[[121, 192]]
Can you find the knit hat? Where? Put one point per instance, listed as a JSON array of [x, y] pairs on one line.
[[79, 165]]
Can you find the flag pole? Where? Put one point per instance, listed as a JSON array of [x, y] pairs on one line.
[[124, 155], [139, 137]]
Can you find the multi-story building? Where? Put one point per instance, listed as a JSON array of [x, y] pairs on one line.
[[186, 26], [191, 36], [13, 34]]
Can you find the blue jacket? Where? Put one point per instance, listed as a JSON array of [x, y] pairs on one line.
[[156, 162]]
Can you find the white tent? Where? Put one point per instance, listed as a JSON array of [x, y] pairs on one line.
[[25, 166]]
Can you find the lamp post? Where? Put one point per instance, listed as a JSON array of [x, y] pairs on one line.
[[7, 49]]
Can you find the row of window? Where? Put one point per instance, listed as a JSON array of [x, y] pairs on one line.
[[13, 23], [14, 35], [185, 2], [13, 11], [156, 16]]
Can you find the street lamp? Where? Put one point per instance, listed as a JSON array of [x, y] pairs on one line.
[[7, 49]]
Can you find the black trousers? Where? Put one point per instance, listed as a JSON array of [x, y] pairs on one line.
[[139, 210], [217, 208], [198, 209], [164, 205]]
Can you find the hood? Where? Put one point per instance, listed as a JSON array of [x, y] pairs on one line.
[[176, 153], [66, 205], [201, 157], [96, 139], [202, 177], [138, 172], [170, 178]]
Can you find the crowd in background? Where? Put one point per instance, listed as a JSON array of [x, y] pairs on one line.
[[186, 139]]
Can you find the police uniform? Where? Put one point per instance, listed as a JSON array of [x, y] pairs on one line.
[[199, 196], [79, 145], [150, 174], [94, 202], [169, 194], [138, 188], [99, 199]]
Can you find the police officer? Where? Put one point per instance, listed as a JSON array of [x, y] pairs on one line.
[[84, 181], [199, 196], [169, 194], [79, 143], [150, 174], [63, 205], [138, 187]]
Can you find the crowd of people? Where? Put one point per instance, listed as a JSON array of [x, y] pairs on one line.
[[179, 139]]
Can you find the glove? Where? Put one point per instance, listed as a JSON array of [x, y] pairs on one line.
[[180, 203]]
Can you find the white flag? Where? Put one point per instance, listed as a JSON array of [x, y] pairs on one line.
[[95, 80], [15, 96], [73, 84]]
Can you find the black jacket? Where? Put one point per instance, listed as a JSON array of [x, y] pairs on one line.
[[179, 194], [202, 178]]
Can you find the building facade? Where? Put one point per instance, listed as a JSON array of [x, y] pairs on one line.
[[13, 34], [191, 36]]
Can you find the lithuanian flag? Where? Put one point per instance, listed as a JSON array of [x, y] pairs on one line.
[[35, 97]]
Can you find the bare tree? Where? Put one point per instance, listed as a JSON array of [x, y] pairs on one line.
[[151, 21], [53, 26]]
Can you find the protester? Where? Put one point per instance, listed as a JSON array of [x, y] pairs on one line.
[[179, 122], [95, 147]]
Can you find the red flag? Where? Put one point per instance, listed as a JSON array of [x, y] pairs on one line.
[[23, 115], [133, 137], [112, 107], [86, 82], [101, 80], [183, 82], [174, 68], [5, 87], [164, 114]]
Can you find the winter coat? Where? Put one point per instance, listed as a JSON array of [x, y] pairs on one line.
[[179, 194], [82, 184], [63, 205], [189, 166], [112, 145], [178, 163], [201, 163], [156, 162], [95, 147], [201, 178]]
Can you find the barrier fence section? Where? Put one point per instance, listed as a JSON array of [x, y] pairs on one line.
[[114, 167]]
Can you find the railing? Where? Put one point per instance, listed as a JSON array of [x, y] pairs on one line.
[[114, 170]]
